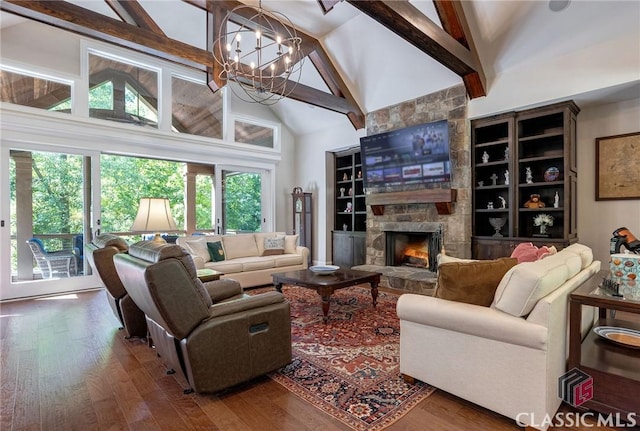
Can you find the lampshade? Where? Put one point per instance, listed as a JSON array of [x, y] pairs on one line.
[[154, 215]]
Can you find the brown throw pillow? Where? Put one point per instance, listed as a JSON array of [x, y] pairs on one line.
[[472, 282]]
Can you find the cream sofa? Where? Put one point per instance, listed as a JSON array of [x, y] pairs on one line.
[[245, 259], [506, 357]]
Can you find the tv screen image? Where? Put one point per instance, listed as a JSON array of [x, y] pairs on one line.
[[413, 155]]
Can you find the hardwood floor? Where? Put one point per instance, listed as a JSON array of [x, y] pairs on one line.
[[66, 366]]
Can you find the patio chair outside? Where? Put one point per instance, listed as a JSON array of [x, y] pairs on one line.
[[50, 263]]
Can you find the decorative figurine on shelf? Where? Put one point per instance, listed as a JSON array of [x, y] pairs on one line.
[[490, 205], [528, 176], [480, 183], [359, 174], [494, 179], [345, 177], [485, 157], [345, 226], [506, 153], [350, 191], [349, 207], [543, 220], [506, 177], [342, 189], [556, 201], [534, 202], [503, 202]]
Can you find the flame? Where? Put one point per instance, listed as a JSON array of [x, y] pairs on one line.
[[418, 251]]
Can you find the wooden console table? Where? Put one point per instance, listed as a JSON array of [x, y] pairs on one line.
[[615, 368]]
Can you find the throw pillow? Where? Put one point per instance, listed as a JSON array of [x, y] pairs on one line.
[[216, 252], [290, 243], [273, 246], [527, 252], [472, 282], [198, 247]]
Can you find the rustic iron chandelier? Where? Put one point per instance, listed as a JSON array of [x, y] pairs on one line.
[[259, 52]]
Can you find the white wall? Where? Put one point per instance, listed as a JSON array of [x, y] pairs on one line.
[[598, 219], [43, 46], [311, 175], [598, 67]]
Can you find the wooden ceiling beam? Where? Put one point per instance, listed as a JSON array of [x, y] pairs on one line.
[[454, 22], [327, 5], [336, 85], [408, 22], [215, 17], [67, 16], [131, 12]]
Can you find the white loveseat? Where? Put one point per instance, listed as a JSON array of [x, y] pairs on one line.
[[506, 357], [245, 259]]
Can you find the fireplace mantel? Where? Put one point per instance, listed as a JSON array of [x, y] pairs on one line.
[[442, 198]]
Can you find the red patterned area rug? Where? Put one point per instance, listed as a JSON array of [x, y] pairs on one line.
[[349, 367]]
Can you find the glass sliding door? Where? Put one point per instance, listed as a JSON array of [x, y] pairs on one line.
[[49, 219], [241, 201]]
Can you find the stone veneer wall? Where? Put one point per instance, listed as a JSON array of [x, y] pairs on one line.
[[450, 104]]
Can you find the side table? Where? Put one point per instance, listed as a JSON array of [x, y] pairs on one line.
[[206, 274], [615, 368]]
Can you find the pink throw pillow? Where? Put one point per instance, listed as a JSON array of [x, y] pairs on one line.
[[525, 252]]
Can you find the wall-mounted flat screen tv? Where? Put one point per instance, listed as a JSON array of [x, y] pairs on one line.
[[409, 156]]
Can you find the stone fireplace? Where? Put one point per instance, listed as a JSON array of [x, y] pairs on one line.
[[452, 230]]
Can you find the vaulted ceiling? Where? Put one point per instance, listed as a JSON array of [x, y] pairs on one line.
[[453, 47], [362, 55]]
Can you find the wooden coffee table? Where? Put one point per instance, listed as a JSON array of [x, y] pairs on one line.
[[325, 285], [206, 274]]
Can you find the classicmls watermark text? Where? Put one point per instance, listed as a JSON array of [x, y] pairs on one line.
[[575, 387], [578, 419]]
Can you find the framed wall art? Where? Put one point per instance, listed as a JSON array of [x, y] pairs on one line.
[[618, 167]]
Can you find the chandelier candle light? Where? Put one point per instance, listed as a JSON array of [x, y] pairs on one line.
[[259, 52]]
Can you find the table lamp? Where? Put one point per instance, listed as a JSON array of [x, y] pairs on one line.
[[154, 215]]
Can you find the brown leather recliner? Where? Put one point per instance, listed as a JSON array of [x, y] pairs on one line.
[[211, 332], [100, 254]]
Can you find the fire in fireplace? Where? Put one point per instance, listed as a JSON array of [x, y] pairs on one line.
[[416, 249], [416, 254]]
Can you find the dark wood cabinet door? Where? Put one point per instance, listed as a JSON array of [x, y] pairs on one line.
[[343, 249]]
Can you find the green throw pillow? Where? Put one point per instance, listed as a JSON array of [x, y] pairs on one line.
[[216, 252]]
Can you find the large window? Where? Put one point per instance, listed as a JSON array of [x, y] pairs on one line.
[[47, 214], [122, 92], [195, 109], [125, 180], [27, 90], [254, 134], [241, 201], [205, 198]]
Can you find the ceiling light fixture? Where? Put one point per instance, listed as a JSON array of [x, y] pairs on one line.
[[558, 5], [259, 52]]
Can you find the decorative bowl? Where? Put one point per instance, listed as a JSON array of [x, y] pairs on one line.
[[324, 269]]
